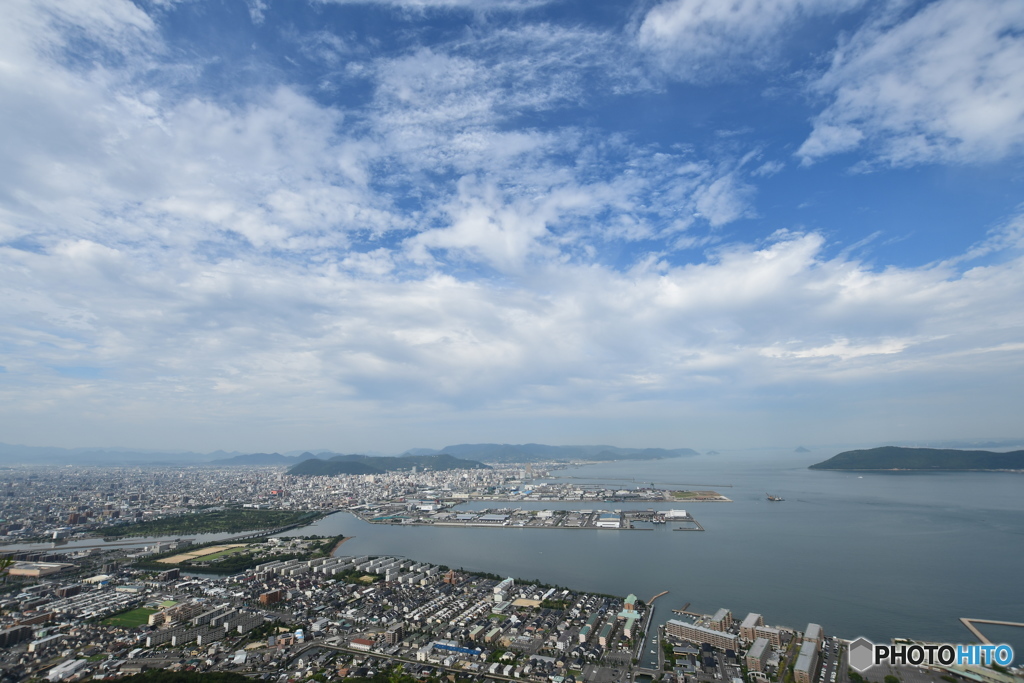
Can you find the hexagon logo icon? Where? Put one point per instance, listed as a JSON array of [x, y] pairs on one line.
[[862, 654]]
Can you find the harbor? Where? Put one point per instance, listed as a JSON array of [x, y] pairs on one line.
[[518, 518]]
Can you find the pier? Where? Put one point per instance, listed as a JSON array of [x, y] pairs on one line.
[[969, 623]]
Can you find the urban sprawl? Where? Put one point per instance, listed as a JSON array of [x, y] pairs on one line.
[[300, 607]]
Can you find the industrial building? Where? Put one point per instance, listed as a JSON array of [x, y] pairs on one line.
[[36, 570]]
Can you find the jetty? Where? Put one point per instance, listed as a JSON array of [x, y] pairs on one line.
[[970, 624]]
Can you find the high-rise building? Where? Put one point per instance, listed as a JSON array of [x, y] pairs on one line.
[[757, 655], [806, 663]]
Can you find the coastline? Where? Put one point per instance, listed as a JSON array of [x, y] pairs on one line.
[[337, 546]]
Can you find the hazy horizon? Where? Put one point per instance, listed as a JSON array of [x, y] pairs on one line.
[[10, 453], [375, 223]]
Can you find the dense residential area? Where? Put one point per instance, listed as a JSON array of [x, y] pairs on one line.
[[341, 616]]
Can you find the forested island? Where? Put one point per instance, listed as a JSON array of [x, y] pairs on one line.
[[933, 459]]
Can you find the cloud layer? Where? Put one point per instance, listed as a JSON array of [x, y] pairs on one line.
[[463, 235]]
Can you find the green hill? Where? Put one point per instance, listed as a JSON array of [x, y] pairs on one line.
[[366, 464], [899, 458]]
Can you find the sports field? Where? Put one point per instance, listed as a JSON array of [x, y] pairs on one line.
[[130, 619], [205, 553]]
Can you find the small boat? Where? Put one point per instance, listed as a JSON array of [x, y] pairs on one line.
[[775, 499]]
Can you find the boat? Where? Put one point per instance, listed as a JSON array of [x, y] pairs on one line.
[[775, 499]]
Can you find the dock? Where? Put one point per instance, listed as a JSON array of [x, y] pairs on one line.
[[970, 624]]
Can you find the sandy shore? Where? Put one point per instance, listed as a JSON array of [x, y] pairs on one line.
[[337, 545]]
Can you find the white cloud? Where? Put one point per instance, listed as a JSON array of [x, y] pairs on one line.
[[453, 106], [257, 10], [92, 144], [842, 349], [287, 341], [503, 234], [724, 200], [768, 169], [277, 262], [945, 84], [704, 40]]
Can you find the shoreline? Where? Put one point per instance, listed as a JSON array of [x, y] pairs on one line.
[[337, 545]]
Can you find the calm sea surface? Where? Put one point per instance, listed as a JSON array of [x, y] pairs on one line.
[[878, 555]]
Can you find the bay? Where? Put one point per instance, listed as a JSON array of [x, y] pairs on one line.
[[879, 555]]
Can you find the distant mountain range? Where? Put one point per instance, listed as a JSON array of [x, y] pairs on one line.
[[485, 452], [262, 460], [367, 464], [900, 458], [534, 452], [105, 457]]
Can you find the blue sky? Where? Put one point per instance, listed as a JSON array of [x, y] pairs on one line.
[[380, 224]]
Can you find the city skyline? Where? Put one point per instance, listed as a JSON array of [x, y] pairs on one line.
[[371, 225]]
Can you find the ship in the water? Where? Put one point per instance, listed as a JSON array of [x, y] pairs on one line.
[[775, 499]]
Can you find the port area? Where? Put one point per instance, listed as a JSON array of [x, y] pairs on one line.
[[516, 518], [594, 493], [694, 525]]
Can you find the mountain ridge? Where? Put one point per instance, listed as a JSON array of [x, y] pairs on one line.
[[483, 452]]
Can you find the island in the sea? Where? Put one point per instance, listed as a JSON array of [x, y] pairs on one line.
[[926, 459]]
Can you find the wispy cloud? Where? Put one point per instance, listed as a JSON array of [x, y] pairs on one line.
[[472, 5], [257, 10], [944, 84], [707, 40]]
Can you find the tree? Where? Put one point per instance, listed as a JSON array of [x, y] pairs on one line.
[[397, 675]]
